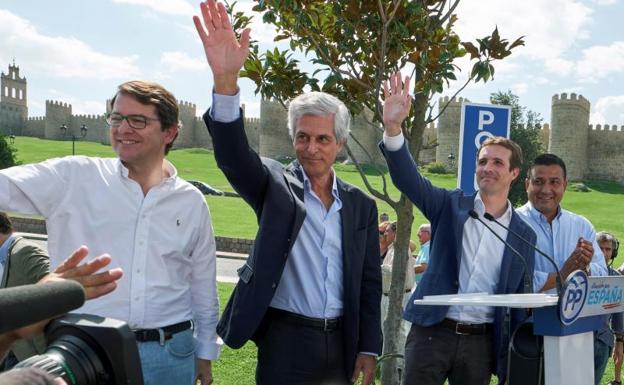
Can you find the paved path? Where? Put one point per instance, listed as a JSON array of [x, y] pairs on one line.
[[227, 263]]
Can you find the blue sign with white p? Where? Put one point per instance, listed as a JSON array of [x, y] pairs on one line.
[[478, 122]]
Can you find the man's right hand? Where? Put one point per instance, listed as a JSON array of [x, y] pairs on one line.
[[224, 53], [397, 103], [579, 259]]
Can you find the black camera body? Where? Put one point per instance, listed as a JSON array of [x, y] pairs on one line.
[[85, 349]]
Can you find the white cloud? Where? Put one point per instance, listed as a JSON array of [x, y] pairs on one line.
[[559, 66], [252, 108], [169, 7], [64, 57], [608, 110], [181, 61], [520, 88], [544, 39], [601, 61], [605, 2]]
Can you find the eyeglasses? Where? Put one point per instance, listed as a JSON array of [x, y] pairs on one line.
[[135, 121]]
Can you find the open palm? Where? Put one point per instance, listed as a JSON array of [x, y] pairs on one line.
[[224, 53], [397, 102]]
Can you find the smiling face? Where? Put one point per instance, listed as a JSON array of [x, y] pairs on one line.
[[545, 186], [316, 145], [139, 146], [494, 173], [607, 250]]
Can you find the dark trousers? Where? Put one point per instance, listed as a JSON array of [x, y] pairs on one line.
[[435, 353], [292, 354]]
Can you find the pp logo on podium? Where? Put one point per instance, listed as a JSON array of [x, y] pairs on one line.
[[573, 298]]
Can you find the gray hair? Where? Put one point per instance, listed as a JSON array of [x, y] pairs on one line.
[[604, 236], [426, 227], [318, 104]]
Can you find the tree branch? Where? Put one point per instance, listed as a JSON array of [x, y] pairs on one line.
[[385, 196]]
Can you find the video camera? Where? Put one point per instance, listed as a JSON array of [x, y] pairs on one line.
[[82, 349]]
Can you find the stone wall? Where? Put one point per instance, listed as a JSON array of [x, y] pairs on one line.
[[605, 153]]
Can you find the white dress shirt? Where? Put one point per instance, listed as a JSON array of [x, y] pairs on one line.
[[163, 240]]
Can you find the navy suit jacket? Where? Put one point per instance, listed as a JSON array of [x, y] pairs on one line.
[[275, 193], [447, 210]]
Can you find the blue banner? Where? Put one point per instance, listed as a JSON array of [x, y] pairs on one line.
[[478, 122]]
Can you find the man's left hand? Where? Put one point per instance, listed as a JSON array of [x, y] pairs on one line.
[[364, 364], [204, 372]]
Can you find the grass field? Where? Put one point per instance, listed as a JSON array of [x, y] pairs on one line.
[[232, 217]]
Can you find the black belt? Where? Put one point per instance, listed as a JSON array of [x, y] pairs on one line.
[[161, 334], [324, 324], [466, 329]]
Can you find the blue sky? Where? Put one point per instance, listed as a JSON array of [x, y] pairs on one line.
[[77, 51]]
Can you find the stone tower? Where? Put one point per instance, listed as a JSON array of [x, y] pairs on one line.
[[57, 114], [274, 139], [448, 131], [569, 129], [186, 137], [368, 135], [13, 101]]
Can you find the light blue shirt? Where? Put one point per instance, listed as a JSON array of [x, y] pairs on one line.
[[4, 252], [312, 281], [559, 240], [422, 257]]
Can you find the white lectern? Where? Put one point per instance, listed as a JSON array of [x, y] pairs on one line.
[[567, 325]]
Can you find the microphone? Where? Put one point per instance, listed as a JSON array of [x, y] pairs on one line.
[[558, 279], [528, 282], [24, 305]]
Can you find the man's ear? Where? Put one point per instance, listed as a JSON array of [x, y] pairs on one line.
[[171, 133]]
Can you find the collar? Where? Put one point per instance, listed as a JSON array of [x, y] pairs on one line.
[[537, 215], [306, 182], [4, 249], [479, 207], [168, 166]]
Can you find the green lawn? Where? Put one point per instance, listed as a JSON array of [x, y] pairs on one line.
[[232, 217]]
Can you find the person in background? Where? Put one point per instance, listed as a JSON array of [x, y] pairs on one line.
[[422, 259]]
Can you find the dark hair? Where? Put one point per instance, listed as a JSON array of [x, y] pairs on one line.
[[6, 227], [516, 152], [154, 94], [548, 160]]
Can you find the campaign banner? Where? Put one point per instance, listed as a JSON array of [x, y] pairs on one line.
[[478, 122], [590, 296]]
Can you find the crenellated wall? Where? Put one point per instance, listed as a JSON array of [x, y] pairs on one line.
[[605, 153]]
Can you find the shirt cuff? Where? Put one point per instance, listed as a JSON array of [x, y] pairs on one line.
[[393, 143], [370, 354], [208, 350], [225, 108]]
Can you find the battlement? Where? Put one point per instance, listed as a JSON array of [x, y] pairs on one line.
[[544, 127], [89, 117], [57, 103], [36, 118], [252, 120], [572, 99], [455, 100], [606, 127], [185, 104]]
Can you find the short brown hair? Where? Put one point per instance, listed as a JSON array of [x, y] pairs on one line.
[[516, 152], [154, 94], [6, 227]]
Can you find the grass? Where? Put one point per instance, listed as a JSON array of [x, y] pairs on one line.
[[232, 217]]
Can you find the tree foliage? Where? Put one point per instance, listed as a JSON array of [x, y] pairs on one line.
[[354, 46], [525, 130], [7, 154]]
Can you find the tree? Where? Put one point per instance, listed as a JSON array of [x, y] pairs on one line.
[[7, 154], [525, 130], [355, 45]]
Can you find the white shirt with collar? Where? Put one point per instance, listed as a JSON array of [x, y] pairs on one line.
[[163, 240]]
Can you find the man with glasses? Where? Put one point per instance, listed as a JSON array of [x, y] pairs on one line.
[[155, 226]]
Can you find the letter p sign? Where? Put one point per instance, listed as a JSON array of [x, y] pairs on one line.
[[574, 297], [485, 118]]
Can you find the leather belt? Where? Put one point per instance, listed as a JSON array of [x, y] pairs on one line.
[[324, 324], [161, 334], [466, 328]]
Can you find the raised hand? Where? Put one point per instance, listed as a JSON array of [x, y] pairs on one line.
[[397, 103], [224, 53]]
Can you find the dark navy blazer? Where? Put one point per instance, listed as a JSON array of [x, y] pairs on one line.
[[275, 193], [447, 210]]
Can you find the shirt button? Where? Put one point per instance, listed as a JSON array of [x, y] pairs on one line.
[[273, 286]]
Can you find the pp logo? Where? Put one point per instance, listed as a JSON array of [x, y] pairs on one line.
[[573, 298]]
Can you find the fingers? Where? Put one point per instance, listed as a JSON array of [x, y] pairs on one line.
[[73, 260], [97, 285], [245, 39], [206, 16], [88, 268], [200, 29]]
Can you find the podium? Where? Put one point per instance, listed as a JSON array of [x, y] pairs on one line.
[[566, 323]]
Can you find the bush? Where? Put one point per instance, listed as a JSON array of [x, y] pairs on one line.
[[7, 154], [437, 168]]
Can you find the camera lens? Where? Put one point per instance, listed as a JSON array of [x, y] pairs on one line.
[[72, 359]]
